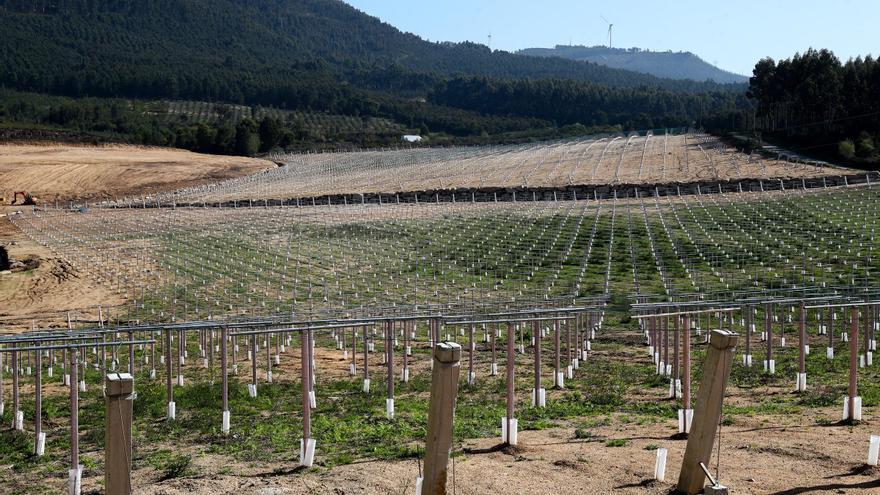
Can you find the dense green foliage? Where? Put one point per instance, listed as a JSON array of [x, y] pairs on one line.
[[288, 53], [815, 99], [212, 127], [571, 102], [672, 65]]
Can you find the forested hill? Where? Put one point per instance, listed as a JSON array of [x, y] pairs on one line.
[[276, 52], [248, 76], [672, 65]]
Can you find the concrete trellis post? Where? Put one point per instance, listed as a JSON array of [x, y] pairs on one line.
[[17, 415], [801, 379], [131, 368], [307, 444], [74, 483], [675, 383], [538, 393], [750, 326], [224, 372], [852, 403], [829, 351], [685, 414], [665, 366], [471, 350], [366, 361], [252, 387], [769, 363], [169, 386], [655, 344], [558, 377], [407, 350], [441, 411], [353, 367], [39, 434], [493, 366], [117, 434], [389, 362], [268, 358], [569, 370], [2, 403], [509, 427], [707, 411]]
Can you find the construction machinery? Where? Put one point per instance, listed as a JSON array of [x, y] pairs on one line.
[[26, 198]]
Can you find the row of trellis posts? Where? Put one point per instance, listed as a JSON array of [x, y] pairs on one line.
[[668, 333], [660, 325], [108, 345]]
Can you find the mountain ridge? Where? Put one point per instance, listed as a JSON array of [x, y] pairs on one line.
[[682, 65], [238, 50]]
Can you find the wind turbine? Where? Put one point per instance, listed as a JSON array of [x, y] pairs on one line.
[[609, 29]]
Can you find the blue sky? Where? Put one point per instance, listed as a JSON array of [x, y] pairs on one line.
[[733, 34]]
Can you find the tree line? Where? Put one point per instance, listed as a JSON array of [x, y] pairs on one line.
[[565, 102], [819, 103]]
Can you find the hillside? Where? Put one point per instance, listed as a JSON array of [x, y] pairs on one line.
[[304, 57], [61, 172], [277, 52], [671, 65]]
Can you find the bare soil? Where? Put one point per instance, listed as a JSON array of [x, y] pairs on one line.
[[46, 288], [779, 455], [65, 172]]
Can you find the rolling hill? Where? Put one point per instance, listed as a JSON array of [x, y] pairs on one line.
[[252, 51], [671, 65]]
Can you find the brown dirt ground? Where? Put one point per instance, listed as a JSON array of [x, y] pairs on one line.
[[622, 161], [791, 457], [67, 172], [48, 291]]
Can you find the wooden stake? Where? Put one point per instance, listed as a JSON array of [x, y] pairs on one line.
[[441, 410], [707, 411], [117, 434]]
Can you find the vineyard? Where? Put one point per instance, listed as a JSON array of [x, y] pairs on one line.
[[599, 164], [289, 317]]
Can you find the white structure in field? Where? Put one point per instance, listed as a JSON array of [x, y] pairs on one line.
[[412, 138]]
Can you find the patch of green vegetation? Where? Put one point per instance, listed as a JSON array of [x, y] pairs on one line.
[[582, 433]]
